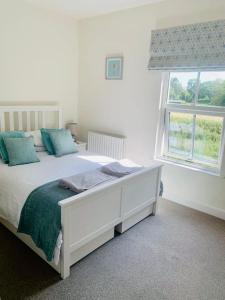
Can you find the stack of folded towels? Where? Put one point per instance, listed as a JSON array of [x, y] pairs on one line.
[[85, 181], [121, 168]]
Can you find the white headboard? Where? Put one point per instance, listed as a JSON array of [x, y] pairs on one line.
[[28, 117]]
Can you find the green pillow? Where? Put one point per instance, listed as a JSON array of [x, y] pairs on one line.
[[46, 139], [21, 151], [6, 134], [62, 142]]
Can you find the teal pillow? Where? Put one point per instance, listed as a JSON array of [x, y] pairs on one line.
[[21, 151], [62, 142], [8, 134], [46, 139]]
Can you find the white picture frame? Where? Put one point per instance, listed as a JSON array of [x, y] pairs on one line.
[[114, 68]]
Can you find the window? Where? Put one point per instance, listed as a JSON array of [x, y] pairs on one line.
[[193, 119]]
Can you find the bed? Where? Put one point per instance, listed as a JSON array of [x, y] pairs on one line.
[[88, 219]]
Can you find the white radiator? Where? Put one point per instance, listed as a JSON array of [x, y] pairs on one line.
[[105, 144]]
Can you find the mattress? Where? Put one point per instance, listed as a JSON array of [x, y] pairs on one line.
[[16, 183]]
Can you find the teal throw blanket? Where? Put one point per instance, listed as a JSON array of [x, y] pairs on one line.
[[41, 216]]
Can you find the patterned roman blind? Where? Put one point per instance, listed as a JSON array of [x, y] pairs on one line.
[[196, 46]]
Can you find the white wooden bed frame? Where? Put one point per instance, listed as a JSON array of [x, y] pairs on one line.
[[90, 218]]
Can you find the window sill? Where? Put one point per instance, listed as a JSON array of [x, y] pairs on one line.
[[209, 171]]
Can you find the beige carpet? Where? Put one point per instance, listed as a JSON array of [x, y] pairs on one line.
[[178, 254]]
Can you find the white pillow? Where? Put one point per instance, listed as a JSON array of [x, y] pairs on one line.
[[36, 134]]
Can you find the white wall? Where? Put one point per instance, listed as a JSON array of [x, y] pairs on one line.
[[130, 106], [39, 64], [38, 57]]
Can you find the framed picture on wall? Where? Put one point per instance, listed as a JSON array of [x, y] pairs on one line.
[[114, 68]]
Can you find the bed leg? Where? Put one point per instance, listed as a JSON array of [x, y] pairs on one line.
[[65, 263], [154, 209], [65, 271], [155, 204], [65, 254]]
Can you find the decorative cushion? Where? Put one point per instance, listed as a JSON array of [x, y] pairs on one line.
[[62, 142], [46, 139], [20, 151], [8, 134]]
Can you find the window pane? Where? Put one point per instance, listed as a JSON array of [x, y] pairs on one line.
[[208, 131], [212, 89], [182, 88], [180, 135]]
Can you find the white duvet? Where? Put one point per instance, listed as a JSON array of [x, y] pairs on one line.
[[16, 183]]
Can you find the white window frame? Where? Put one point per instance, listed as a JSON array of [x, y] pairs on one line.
[[163, 127]]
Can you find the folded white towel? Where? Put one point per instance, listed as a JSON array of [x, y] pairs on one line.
[[121, 168], [85, 181]]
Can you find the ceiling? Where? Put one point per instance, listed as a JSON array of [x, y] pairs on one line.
[[88, 8]]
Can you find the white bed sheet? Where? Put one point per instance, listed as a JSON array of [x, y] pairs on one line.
[[16, 183]]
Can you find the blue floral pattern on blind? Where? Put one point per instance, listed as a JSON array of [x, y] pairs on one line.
[[196, 46]]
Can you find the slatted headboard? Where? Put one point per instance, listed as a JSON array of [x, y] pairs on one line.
[[29, 117]]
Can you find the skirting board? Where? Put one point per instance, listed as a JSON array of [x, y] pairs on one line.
[[210, 210]]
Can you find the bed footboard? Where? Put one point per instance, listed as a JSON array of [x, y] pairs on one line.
[[89, 219]]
